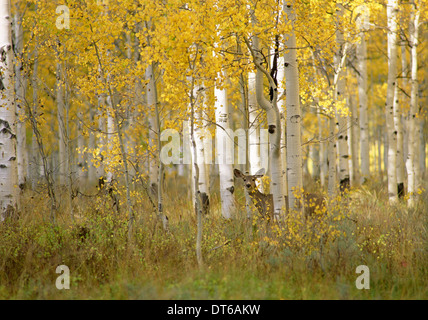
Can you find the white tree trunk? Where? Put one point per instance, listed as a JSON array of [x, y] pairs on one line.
[[354, 143], [91, 145], [392, 9], [200, 135], [224, 155], [412, 159], [8, 163], [339, 98], [62, 136], [20, 90], [254, 146], [153, 129], [282, 109], [361, 51], [102, 137], [80, 145], [323, 151], [294, 144], [35, 156], [274, 126], [398, 126], [332, 158], [110, 133]]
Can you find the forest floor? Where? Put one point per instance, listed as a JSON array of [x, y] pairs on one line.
[[305, 258]]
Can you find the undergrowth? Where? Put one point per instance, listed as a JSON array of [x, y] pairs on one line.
[[302, 258]]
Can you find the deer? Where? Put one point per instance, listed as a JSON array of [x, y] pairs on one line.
[[264, 202]]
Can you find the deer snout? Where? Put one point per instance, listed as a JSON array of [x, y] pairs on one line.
[[248, 185]]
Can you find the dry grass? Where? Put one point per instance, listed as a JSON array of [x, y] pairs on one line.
[[301, 260]]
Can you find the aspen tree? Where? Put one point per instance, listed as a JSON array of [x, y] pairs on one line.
[[361, 53], [294, 118], [412, 160], [223, 143], [273, 120], [193, 97], [62, 134], [254, 145], [20, 91], [339, 99], [392, 9], [8, 163]]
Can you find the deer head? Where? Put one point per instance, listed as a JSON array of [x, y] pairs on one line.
[[249, 180], [263, 202]]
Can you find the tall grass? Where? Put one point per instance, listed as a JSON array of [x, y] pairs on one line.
[[302, 259]]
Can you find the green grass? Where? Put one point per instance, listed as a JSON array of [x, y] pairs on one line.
[[239, 262]]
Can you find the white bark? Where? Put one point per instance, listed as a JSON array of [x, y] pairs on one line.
[[62, 136], [354, 143], [339, 98], [294, 149], [392, 9], [91, 145], [102, 137], [398, 126], [80, 146], [361, 51], [254, 130], [153, 129], [8, 163], [323, 151], [412, 159], [35, 156], [224, 154], [282, 109], [200, 135], [274, 125], [110, 133], [332, 158], [20, 90]]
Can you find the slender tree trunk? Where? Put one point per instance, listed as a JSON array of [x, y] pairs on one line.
[[8, 163], [398, 126], [362, 95], [159, 191], [153, 130], [92, 175], [80, 145], [331, 156], [282, 109], [200, 135], [392, 9], [110, 129], [62, 144], [340, 92], [274, 125], [246, 126], [102, 137], [411, 162], [294, 118], [354, 144], [34, 147], [254, 149], [20, 90], [323, 151], [225, 156], [196, 196]]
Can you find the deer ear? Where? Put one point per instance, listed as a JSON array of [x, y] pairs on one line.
[[260, 173], [237, 173]]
